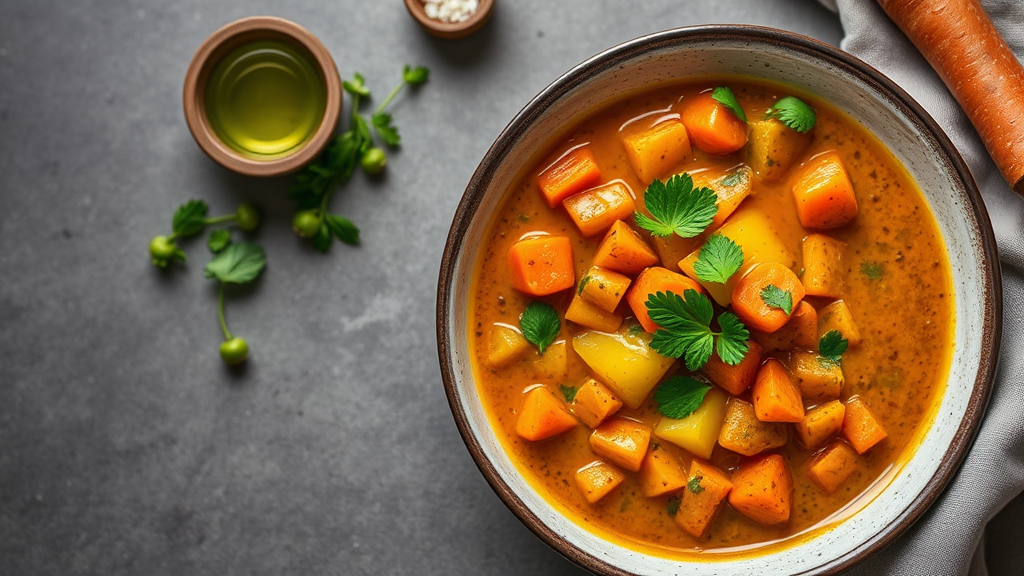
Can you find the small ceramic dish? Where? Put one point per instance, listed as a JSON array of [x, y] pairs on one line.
[[899, 498], [223, 42], [451, 30]]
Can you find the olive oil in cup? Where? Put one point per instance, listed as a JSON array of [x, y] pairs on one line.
[[264, 99]]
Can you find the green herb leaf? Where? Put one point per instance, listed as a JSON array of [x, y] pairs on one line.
[[723, 95], [693, 484], [357, 86], [794, 113], [540, 324], [873, 270], [685, 330], [415, 76], [583, 284], [362, 134], [733, 343], [239, 263], [322, 240], [190, 218], [387, 132], [343, 229], [218, 240], [677, 207], [334, 166], [569, 392], [735, 178], [832, 345], [719, 259], [680, 396], [776, 297], [673, 505]]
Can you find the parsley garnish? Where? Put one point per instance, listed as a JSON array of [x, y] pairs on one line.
[[540, 324], [725, 97], [680, 396], [776, 297], [685, 329], [873, 270], [676, 206], [832, 345], [794, 113], [236, 264], [673, 505], [583, 284], [569, 392], [693, 485], [191, 219], [719, 259], [218, 240]]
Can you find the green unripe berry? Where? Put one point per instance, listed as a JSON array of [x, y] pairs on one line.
[[234, 351], [374, 161], [248, 217], [306, 223], [163, 250]]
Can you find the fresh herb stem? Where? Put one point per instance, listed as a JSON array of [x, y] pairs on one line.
[[390, 97], [220, 219], [220, 313]]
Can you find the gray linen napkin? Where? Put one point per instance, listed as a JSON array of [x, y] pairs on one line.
[[946, 538]]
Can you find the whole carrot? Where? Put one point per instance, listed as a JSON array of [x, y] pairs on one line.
[[959, 40]]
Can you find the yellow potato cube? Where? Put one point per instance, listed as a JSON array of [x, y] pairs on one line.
[[699, 431], [655, 151], [837, 316], [624, 361], [506, 345]]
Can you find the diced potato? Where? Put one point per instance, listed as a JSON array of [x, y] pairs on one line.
[[773, 148], [506, 345], [595, 210], [698, 432], [622, 442], [732, 188], [624, 361], [661, 472], [837, 316], [820, 423], [750, 229], [744, 434], [594, 403], [655, 151], [603, 288], [590, 316], [673, 248], [597, 479], [554, 362], [818, 378], [800, 332], [823, 266]]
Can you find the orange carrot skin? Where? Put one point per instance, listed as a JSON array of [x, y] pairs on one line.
[[776, 398], [763, 490], [542, 265], [735, 379], [698, 507], [543, 416], [823, 193], [820, 423], [652, 281], [752, 309], [573, 172], [712, 127], [622, 442], [833, 466], [597, 479], [661, 472], [623, 250]]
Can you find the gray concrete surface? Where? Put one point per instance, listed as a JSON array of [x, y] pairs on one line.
[[125, 446]]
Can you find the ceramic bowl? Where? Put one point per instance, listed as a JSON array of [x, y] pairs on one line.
[[895, 501], [450, 30]]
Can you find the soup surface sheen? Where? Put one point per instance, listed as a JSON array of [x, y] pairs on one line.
[[897, 287]]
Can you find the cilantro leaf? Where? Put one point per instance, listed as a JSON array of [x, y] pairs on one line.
[[239, 263], [724, 96], [219, 240], [415, 76], [693, 484], [190, 218], [680, 396], [569, 392], [832, 345], [540, 324], [873, 270], [676, 206], [733, 343], [357, 87], [673, 505], [385, 129], [342, 228], [719, 259], [794, 113], [685, 330], [776, 297], [335, 165]]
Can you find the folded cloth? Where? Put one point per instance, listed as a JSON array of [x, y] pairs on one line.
[[946, 538]]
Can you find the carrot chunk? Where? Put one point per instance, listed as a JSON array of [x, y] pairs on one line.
[[543, 416], [774, 147], [596, 209], [652, 281], [574, 172], [712, 126], [800, 332], [763, 490], [597, 479], [623, 250], [837, 316], [820, 423], [594, 403], [731, 188], [860, 427], [823, 266], [833, 466], [541, 265], [590, 316], [706, 489], [655, 151], [661, 472], [603, 288], [818, 378], [823, 193], [748, 300], [734, 379], [744, 434], [623, 442], [776, 398]]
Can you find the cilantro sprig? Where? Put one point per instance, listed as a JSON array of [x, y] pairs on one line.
[[693, 484], [832, 345], [677, 207], [794, 113], [239, 263], [313, 187], [568, 392], [685, 330], [190, 219], [680, 396], [724, 96], [540, 325], [719, 259], [776, 297]]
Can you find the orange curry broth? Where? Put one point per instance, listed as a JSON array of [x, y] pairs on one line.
[[905, 319]]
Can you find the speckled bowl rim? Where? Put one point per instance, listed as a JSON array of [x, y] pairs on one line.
[[867, 75]]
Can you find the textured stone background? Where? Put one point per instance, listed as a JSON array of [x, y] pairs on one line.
[[125, 446]]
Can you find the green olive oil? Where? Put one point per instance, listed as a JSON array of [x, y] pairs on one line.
[[265, 98]]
